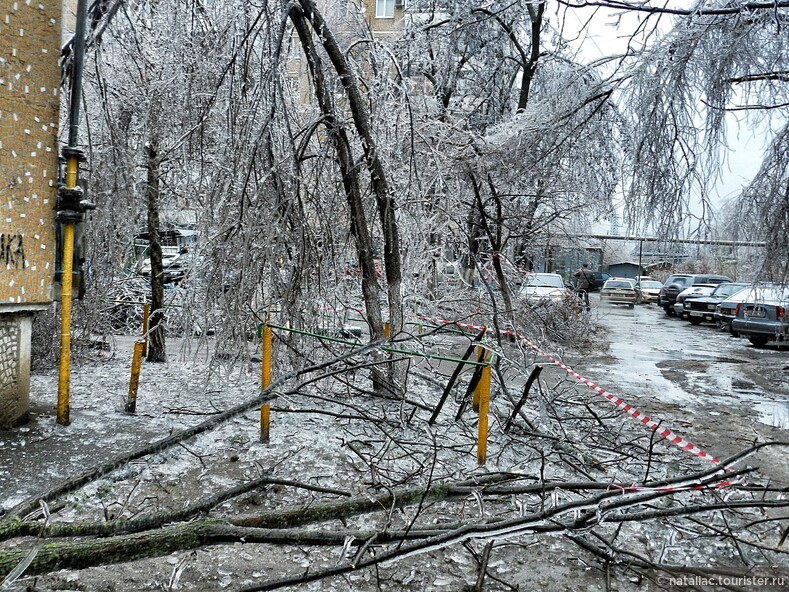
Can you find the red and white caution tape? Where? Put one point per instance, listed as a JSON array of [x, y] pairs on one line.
[[618, 403]]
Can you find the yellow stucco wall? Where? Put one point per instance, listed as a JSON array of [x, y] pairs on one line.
[[29, 97], [383, 27]]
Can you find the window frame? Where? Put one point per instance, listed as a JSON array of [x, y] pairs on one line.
[[381, 6]]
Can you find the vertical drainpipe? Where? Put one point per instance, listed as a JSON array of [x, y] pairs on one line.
[[70, 211]]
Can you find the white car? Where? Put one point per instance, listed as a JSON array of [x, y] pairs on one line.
[[762, 316], [619, 291], [174, 264], [695, 291], [543, 287], [648, 290]]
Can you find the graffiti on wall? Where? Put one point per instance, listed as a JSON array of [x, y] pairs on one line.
[[12, 251]]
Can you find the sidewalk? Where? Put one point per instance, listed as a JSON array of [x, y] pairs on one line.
[[171, 397]]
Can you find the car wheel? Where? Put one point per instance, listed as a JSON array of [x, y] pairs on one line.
[[758, 340], [733, 333], [669, 311], [695, 320], [631, 305]]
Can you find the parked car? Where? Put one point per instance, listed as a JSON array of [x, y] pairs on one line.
[[726, 309], [678, 282], [618, 291], [701, 309], [541, 287], [595, 282], [647, 290], [764, 315], [695, 291], [599, 279], [176, 263]]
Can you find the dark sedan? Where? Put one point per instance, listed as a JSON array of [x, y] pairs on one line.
[[702, 309]]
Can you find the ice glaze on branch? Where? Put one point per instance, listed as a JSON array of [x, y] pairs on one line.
[[626, 6]]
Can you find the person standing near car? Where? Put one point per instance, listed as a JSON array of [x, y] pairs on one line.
[[583, 283]]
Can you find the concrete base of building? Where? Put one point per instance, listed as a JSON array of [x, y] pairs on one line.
[[15, 340]]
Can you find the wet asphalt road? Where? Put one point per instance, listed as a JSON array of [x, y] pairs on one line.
[[698, 378]]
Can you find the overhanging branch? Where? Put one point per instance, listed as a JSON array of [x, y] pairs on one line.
[[625, 6]]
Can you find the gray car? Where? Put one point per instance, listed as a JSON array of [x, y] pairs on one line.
[[678, 282], [763, 316]]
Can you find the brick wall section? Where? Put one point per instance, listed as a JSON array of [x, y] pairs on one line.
[[29, 100]]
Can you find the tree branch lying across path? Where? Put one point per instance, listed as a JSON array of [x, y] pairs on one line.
[[149, 538]]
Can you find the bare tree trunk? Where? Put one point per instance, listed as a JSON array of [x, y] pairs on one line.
[[156, 342], [474, 233], [350, 179], [530, 66], [380, 183], [528, 60], [529, 216]]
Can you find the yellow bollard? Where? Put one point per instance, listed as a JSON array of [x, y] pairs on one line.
[[265, 422], [265, 381], [146, 317], [484, 404], [387, 330], [131, 401]]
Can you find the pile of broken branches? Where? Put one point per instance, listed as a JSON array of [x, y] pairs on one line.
[[390, 482]]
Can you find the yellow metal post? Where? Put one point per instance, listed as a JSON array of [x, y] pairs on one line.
[[146, 317], [387, 330], [265, 381], [484, 404], [134, 382], [64, 373]]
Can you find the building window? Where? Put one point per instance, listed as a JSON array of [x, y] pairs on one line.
[[384, 8]]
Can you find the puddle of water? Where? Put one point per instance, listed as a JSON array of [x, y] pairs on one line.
[[643, 348], [774, 413]]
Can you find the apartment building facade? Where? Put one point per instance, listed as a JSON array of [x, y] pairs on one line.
[[30, 37]]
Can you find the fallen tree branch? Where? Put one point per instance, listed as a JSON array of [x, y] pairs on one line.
[[635, 560], [492, 484], [86, 552], [274, 519]]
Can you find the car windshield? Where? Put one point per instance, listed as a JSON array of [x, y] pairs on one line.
[[618, 284], [728, 289], [545, 280], [650, 284]]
